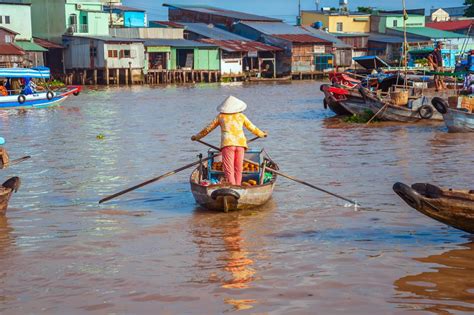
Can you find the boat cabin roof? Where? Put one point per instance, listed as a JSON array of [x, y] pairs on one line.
[[37, 73]]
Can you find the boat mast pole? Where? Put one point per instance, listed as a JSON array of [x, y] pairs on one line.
[[405, 42]]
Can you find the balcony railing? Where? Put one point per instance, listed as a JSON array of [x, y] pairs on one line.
[[81, 28]]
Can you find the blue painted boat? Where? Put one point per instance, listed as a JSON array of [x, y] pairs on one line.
[[457, 120], [27, 97]]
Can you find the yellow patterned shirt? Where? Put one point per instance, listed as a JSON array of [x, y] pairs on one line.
[[232, 131]]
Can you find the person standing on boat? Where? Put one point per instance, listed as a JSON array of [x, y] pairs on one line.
[[233, 141], [435, 60]]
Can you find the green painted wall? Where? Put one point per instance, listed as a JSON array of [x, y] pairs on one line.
[[397, 21], [50, 18], [204, 59]]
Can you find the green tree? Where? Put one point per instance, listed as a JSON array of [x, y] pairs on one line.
[[365, 9], [470, 9]]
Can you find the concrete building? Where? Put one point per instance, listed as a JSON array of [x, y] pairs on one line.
[[453, 12], [338, 22], [380, 22], [440, 16], [123, 16], [16, 16], [54, 18]]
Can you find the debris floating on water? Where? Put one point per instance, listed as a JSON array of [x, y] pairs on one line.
[[100, 136]]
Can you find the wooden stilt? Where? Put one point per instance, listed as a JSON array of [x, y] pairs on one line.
[[117, 74], [95, 76], [107, 76], [126, 77]]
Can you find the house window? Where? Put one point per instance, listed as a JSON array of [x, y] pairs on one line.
[[8, 39], [93, 51], [395, 23], [1, 20], [339, 26], [113, 53], [7, 19], [125, 53]]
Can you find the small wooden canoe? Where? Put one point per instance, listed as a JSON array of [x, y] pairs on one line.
[[6, 191], [452, 207], [225, 197], [456, 120]]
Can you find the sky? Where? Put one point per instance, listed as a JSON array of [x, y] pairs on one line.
[[283, 9]]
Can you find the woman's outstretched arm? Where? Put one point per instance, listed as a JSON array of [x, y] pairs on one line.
[[206, 130], [253, 129]]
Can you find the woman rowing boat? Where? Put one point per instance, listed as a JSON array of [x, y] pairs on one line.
[[233, 141]]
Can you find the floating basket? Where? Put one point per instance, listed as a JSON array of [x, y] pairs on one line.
[[399, 98]]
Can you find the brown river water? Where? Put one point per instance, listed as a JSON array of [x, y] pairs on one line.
[[154, 251]]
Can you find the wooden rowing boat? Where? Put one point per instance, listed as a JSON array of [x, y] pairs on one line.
[[225, 197], [6, 191], [456, 120], [452, 207]]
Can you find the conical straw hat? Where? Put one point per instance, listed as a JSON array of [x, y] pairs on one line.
[[232, 105]]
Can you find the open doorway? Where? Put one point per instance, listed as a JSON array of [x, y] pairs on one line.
[[185, 59]]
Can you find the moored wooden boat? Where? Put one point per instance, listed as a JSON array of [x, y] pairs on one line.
[[6, 191], [390, 112], [452, 207], [456, 120], [225, 197], [331, 102]]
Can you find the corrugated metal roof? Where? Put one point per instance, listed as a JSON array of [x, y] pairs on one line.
[[46, 43], [451, 25], [29, 46], [274, 28], [301, 38], [170, 24], [109, 39], [211, 31], [177, 43], [8, 30], [10, 49], [429, 32], [382, 38], [350, 34], [122, 8], [325, 35], [242, 16], [241, 46]]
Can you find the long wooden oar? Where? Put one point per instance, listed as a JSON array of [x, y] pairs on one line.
[[16, 161], [152, 180], [289, 177]]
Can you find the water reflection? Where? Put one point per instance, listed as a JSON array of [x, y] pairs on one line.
[[228, 253], [447, 289]]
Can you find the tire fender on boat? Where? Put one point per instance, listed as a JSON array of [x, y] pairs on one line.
[[21, 98], [426, 111], [225, 192], [440, 105], [408, 194], [49, 95]]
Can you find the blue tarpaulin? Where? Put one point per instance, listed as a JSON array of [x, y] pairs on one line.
[[37, 73]]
